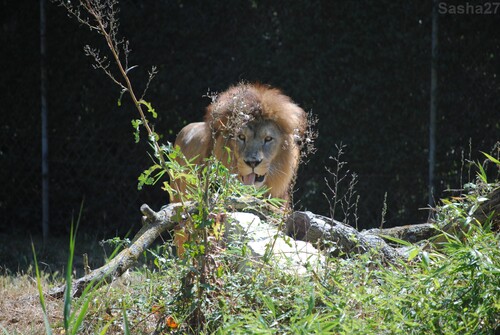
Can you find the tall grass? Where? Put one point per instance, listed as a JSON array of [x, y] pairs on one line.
[[73, 318], [48, 329]]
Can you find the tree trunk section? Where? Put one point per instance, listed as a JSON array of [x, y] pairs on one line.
[[337, 238]]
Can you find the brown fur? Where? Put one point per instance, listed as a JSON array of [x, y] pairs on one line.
[[243, 107], [230, 112]]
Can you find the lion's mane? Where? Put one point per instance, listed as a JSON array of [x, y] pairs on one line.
[[234, 109]]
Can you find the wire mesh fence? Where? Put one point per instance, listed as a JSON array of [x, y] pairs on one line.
[[99, 174], [363, 69]]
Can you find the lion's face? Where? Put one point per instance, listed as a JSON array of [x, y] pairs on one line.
[[261, 126], [256, 146]]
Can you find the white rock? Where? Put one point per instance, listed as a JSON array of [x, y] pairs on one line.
[[261, 238]]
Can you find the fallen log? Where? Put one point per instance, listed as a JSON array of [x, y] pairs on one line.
[[155, 223], [336, 237], [408, 233], [340, 239]]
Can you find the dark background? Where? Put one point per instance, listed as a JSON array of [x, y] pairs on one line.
[[362, 67]]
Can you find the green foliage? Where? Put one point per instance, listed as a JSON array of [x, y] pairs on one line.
[[457, 292], [136, 124], [48, 329], [126, 326], [146, 177], [450, 286], [492, 159], [150, 108], [73, 318], [208, 185]]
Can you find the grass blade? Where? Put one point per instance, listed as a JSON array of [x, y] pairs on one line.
[[48, 329]]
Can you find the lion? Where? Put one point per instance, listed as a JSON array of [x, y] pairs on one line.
[[260, 125], [262, 128]]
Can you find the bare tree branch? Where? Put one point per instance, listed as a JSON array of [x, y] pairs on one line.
[[155, 223]]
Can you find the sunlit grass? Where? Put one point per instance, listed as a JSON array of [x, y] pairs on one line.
[[449, 285]]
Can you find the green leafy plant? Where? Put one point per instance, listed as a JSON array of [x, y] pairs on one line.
[[72, 320], [48, 329]]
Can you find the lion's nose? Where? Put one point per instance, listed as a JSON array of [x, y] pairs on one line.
[[253, 163]]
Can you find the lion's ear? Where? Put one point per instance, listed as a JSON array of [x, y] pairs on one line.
[[301, 119], [293, 119]]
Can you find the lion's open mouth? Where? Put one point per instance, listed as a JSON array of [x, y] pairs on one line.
[[253, 178]]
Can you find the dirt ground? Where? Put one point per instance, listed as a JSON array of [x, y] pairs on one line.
[[20, 308]]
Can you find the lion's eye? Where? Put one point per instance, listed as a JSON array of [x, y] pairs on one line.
[[268, 139], [241, 137]]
